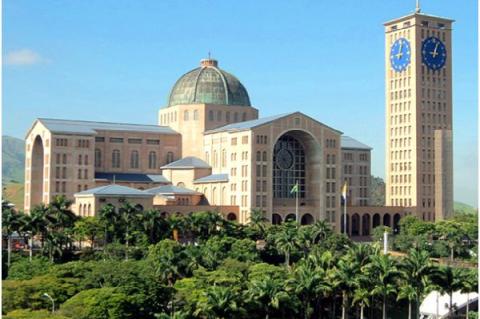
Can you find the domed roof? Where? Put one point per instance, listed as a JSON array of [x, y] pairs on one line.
[[209, 84]]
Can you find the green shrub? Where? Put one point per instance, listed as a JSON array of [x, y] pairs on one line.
[[101, 303], [27, 294], [35, 314], [24, 269]]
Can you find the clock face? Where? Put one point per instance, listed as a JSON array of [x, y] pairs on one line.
[[434, 53], [400, 54], [284, 159]]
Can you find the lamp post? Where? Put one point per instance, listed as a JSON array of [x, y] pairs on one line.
[[51, 299]]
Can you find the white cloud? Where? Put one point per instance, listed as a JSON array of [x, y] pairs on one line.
[[23, 57]]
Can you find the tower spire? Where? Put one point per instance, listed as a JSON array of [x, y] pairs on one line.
[[417, 7]]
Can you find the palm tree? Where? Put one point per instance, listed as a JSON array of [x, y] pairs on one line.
[[415, 271], [470, 284], [321, 230], [384, 271], [409, 292], [151, 222], [361, 296], [128, 213], [448, 280], [268, 293], [285, 240], [257, 221], [108, 215], [10, 224], [39, 221], [25, 230], [345, 270], [53, 244], [220, 302]]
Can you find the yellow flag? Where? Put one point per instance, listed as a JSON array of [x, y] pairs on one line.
[[344, 191]]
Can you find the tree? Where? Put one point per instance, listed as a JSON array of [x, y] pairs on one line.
[[128, 214], [10, 223], [285, 240], [152, 223], [99, 303], [408, 291], [268, 294], [452, 232], [384, 273], [88, 227], [415, 270], [448, 280], [361, 296], [345, 270], [220, 302], [108, 216], [257, 222], [470, 284]]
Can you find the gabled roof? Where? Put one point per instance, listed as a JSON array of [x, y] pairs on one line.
[[90, 127], [114, 190], [248, 125], [171, 190], [132, 177], [350, 143], [214, 178], [187, 162], [241, 126]]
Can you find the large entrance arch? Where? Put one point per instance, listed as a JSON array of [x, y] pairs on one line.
[[366, 225], [296, 157], [36, 172], [276, 219], [376, 220], [386, 220], [396, 223]]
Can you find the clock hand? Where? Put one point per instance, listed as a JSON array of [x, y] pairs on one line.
[[434, 53], [399, 54]]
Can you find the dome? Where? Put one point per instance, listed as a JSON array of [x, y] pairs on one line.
[[210, 85]]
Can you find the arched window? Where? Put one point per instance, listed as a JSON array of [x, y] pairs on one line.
[[235, 117], [288, 167], [224, 158], [195, 115], [264, 156], [89, 209], [116, 159], [80, 207], [169, 157], [85, 160], [134, 159], [98, 158], [244, 116], [207, 157], [219, 116], [210, 115], [152, 160], [185, 115], [215, 159], [64, 159], [259, 156], [214, 199], [227, 117], [181, 184], [80, 159]]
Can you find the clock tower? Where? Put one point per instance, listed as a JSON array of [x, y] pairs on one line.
[[418, 85]]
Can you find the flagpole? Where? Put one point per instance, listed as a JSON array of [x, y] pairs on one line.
[[296, 203], [345, 215]]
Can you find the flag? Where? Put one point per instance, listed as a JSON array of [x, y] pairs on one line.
[[294, 188], [344, 191]]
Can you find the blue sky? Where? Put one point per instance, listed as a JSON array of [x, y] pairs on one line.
[[116, 60]]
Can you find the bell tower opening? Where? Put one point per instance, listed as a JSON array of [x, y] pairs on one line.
[[37, 172]]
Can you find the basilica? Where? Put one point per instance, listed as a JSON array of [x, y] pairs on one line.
[[209, 151], [212, 151]]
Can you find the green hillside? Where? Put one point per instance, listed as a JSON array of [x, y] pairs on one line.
[[462, 208], [13, 159]]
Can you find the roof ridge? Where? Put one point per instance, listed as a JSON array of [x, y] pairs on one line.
[[102, 122]]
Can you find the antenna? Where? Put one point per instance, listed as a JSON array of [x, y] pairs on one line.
[[417, 7], [209, 55]]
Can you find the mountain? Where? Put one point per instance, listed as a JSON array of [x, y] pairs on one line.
[[462, 208], [377, 187], [13, 159]]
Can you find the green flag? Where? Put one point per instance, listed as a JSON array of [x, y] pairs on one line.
[[294, 188]]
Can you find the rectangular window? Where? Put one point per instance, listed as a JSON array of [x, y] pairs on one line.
[[244, 139], [116, 140], [153, 142], [134, 141], [234, 141], [99, 139]]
